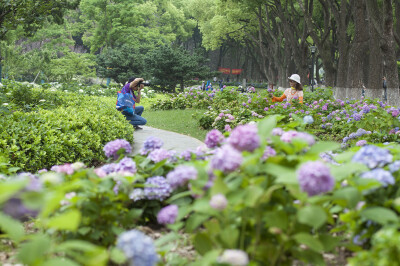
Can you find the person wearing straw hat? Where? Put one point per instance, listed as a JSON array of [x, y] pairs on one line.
[[294, 92]]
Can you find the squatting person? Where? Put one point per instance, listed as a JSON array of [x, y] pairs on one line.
[[127, 99]]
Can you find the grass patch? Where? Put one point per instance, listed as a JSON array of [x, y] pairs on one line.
[[179, 121]]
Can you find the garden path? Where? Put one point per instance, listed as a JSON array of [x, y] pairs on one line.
[[172, 140]]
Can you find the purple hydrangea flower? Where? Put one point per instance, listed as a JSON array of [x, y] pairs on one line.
[[157, 188], [291, 134], [186, 155], [181, 175], [158, 155], [150, 144], [214, 138], [126, 165], [218, 202], [268, 152], [138, 248], [373, 156], [109, 168], [227, 159], [245, 138], [112, 147], [65, 168], [357, 116], [168, 214], [315, 178], [277, 131], [383, 176], [361, 143]]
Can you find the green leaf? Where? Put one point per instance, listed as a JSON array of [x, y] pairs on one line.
[[323, 146], [195, 221], [380, 215], [219, 186], [8, 189], [309, 241], [34, 251], [276, 219], [350, 194], [329, 241], [202, 243], [117, 256], [13, 228], [283, 174], [266, 125], [313, 215], [84, 252], [68, 220], [60, 262], [345, 170], [253, 195], [208, 259], [230, 236]]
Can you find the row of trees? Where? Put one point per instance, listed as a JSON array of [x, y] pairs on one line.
[[111, 39], [358, 40]]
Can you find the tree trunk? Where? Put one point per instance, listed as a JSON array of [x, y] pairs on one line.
[[389, 55], [375, 65], [341, 13], [355, 78]]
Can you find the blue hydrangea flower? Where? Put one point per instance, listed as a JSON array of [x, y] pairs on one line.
[[157, 188], [137, 194], [373, 156], [395, 166], [138, 248], [381, 175]]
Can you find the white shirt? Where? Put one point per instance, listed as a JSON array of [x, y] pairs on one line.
[[292, 93]]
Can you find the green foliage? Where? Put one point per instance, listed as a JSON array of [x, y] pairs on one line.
[[31, 14], [120, 63], [142, 24], [384, 251], [169, 66], [64, 69]]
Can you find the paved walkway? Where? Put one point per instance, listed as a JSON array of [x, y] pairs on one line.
[[172, 140]]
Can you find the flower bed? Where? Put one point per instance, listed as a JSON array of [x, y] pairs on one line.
[[269, 191]]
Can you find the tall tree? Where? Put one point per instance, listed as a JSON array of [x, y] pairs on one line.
[[111, 24], [169, 66], [30, 15]]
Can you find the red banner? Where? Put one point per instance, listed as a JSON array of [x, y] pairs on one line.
[[236, 71], [224, 70]]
